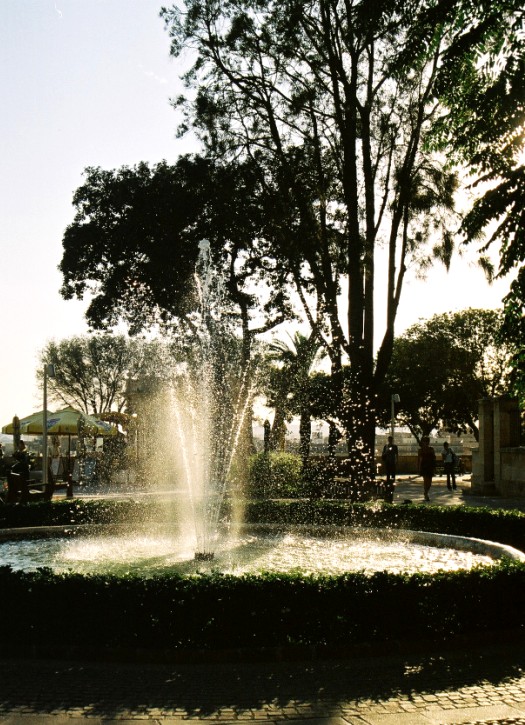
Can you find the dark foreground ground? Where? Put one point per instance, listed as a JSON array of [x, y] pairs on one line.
[[472, 682]]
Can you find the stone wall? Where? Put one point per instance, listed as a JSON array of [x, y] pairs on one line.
[[512, 480], [498, 465]]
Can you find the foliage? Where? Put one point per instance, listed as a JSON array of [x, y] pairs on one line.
[[442, 367], [169, 616], [138, 215], [507, 527], [481, 86], [513, 334], [134, 243], [274, 475], [65, 512], [134, 246], [289, 385], [91, 372]]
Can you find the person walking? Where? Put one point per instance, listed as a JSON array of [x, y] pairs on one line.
[[426, 464], [449, 465]]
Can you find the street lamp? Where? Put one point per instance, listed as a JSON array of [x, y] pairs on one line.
[[394, 399], [49, 372]]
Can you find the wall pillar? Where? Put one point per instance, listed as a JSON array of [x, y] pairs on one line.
[[506, 431], [483, 460]]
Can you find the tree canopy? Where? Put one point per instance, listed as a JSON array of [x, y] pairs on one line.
[[134, 243], [442, 367], [483, 128]]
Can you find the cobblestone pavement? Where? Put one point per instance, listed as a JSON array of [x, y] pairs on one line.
[[482, 685]]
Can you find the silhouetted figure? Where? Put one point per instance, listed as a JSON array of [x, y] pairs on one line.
[[21, 457], [449, 465], [426, 464]]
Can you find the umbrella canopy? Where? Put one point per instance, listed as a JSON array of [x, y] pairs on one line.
[[66, 422], [63, 422], [30, 421]]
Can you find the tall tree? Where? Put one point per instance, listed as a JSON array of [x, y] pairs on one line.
[[134, 244], [317, 96], [92, 372]]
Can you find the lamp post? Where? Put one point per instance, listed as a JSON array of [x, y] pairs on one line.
[[49, 372], [394, 399]]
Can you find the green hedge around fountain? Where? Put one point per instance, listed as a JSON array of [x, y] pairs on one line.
[[172, 616], [504, 526], [168, 616]]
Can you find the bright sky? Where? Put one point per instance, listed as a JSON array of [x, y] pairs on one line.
[[87, 83]]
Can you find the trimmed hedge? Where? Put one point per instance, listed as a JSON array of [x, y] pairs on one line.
[[503, 526], [171, 614], [43, 611]]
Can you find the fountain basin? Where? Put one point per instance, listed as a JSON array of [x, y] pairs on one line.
[[311, 550]]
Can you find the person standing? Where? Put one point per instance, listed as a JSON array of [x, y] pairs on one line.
[[449, 465], [426, 464], [390, 456]]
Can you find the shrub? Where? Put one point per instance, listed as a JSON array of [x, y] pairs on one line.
[[275, 475], [504, 526]]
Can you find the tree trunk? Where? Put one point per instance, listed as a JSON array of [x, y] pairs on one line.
[[305, 435]]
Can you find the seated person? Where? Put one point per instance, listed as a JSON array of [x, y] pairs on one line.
[[21, 456]]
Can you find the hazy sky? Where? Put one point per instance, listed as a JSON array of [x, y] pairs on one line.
[[88, 83]]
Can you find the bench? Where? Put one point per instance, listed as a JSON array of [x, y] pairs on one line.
[[21, 489]]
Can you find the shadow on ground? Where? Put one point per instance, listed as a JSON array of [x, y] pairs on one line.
[[200, 690]]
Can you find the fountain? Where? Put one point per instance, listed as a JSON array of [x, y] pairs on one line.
[[169, 584], [209, 403]]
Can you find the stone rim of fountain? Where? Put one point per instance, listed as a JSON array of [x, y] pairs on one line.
[[493, 549]]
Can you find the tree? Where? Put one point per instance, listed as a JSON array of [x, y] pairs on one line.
[[481, 86], [317, 96], [135, 241], [129, 245], [295, 359], [325, 397], [441, 368], [91, 372]]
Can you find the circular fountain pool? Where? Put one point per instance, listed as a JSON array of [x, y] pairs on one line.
[[326, 551]]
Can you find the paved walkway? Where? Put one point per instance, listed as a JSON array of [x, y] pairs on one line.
[[411, 488], [482, 685]]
